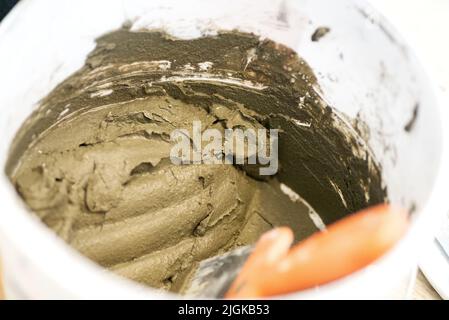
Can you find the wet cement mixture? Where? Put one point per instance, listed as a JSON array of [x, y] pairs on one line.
[[93, 160], [320, 33]]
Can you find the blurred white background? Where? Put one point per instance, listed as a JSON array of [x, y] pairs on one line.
[[425, 25]]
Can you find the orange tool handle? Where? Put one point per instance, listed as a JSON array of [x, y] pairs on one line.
[[343, 248]]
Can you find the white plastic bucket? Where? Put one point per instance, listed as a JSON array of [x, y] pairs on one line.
[[364, 70]]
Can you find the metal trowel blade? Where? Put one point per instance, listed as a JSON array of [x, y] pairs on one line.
[[215, 275]]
